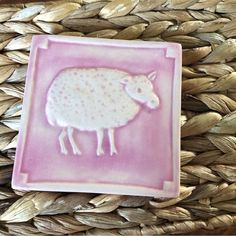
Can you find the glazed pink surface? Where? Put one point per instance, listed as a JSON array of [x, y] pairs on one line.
[[147, 162]]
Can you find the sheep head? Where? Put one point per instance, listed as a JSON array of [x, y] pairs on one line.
[[140, 88]]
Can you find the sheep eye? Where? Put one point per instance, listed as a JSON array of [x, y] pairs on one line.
[[139, 90]]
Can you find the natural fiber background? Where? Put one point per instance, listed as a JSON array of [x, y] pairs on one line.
[[206, 29]]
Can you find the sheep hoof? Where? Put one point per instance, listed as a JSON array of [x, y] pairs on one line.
[[64, 152], [76, 151], [113, 152], [100, 152]]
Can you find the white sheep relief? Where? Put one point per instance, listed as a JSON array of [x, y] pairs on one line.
[[96, 99]]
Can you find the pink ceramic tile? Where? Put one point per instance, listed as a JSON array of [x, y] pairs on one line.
[[100, 116]]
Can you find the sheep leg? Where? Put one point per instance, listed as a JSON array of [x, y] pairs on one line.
[[62, 143], [74, 146], [112, 142], [100, 136]]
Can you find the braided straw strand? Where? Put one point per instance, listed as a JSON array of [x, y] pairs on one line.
[[206, 29]]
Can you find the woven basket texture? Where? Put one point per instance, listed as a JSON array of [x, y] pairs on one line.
[[206, 29]]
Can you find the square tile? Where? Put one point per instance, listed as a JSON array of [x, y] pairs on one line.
[[100, 116]]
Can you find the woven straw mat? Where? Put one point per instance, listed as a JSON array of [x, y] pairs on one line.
[[206, 29]]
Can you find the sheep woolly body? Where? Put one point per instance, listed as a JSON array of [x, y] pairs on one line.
[[89, 99], [95, 99]]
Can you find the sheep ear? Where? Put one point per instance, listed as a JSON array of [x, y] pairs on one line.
[[125, 79], [152, 75]]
